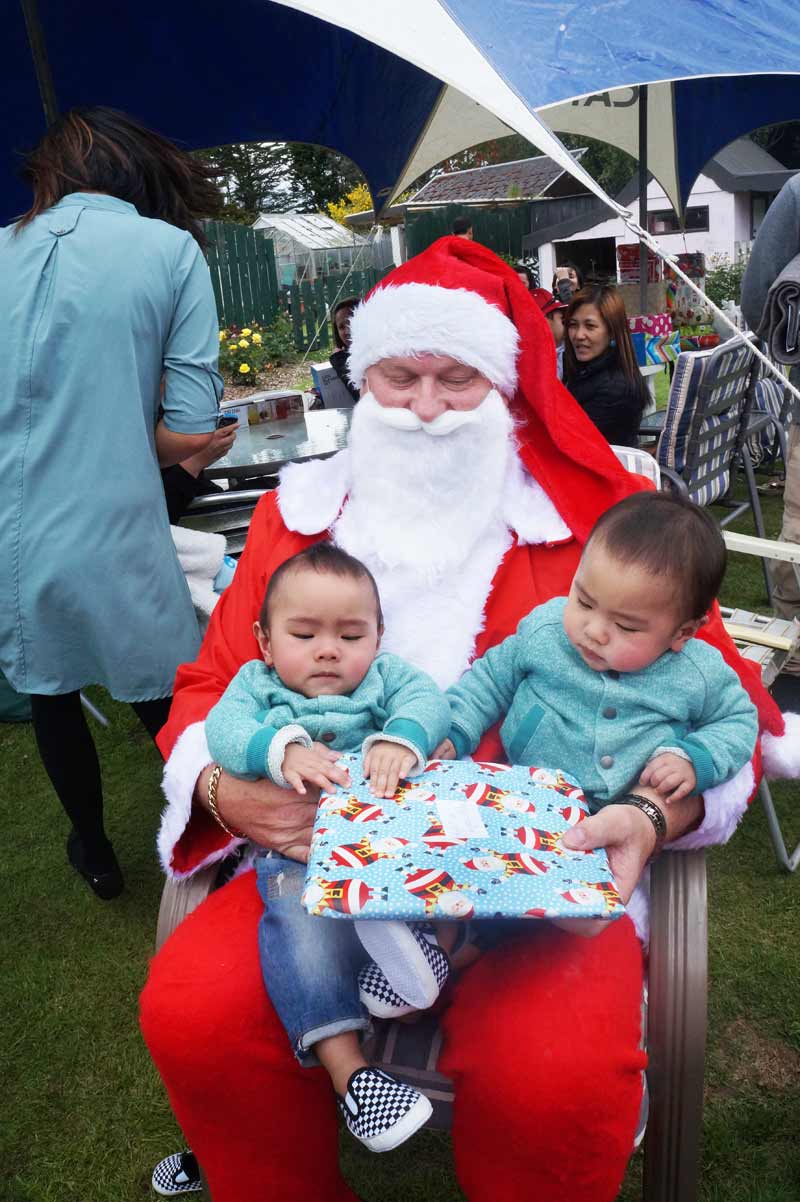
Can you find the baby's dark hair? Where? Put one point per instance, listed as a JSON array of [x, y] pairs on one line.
[[320, 557], [667, 536]]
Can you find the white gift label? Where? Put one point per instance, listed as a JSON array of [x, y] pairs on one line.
[[460, 818]]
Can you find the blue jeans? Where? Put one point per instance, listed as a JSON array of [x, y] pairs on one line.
[[310, 965]]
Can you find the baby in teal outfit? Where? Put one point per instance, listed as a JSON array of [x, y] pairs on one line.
[[609, 682], [321, 688]]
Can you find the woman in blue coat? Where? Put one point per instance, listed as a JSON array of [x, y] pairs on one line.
[[104, 291]]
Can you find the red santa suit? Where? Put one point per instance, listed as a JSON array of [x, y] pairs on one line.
[[262, 1127]]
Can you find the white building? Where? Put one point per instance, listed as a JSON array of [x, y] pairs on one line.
[[724, 210]]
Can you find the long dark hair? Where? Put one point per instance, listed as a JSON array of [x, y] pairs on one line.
[[350, 303], [103, 150], [611, 306]]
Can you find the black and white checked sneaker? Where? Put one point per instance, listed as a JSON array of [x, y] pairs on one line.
[[177, 1174], [381, 1111], [413, 966]]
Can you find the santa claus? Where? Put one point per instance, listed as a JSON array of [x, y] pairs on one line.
[[468, 487]]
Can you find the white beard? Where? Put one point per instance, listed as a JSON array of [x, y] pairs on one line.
[[426, 516], [423, 502]]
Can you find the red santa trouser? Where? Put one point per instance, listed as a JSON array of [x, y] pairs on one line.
[[541, 1039]]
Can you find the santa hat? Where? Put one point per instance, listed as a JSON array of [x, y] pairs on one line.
[[458, 298]]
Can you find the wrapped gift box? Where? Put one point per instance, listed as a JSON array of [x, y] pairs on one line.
[[656, 348], [659, 324]]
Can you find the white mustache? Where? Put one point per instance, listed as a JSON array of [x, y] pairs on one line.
[[404, 419]]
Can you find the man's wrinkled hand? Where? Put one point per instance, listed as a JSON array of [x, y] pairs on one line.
[[278, 819], [384, 764], [628, 836]]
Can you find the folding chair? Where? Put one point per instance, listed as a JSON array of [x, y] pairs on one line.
[[674, 1019], [708, 419], [227, 513]]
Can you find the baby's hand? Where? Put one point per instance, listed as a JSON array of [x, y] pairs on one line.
[[315, 764], [386, 762], [673, 776], [445, 751]]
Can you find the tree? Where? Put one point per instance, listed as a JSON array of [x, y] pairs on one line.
[[357, 200], [320, 176], [255, 177]]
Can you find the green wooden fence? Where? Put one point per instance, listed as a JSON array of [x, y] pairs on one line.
[[501, 229], [310, 304], [243, 274], [245, 283]]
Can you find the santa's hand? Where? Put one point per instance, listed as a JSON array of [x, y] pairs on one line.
[[445, 751], [278, 819], [384, 764], [671, 775], [315, 764], [628, 836]]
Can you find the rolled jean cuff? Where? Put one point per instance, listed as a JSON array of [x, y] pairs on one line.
[[303, 1048]]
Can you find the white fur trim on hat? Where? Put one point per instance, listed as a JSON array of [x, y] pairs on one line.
[[416, 319], [782, 752]]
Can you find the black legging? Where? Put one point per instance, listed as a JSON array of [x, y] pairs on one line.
[[70, 759]]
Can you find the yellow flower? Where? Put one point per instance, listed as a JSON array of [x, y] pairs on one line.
[[232, 347], [257, 339], [244, 368], [246, 333], [223, 334], [243, 343]]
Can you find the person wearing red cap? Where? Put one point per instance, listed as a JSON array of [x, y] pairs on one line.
[[469, 487], [553, 310]]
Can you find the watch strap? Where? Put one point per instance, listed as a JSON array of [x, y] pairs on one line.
[[653, 812]]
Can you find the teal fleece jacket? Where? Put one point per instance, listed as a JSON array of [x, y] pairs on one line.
[[257, 716], [603, 727]]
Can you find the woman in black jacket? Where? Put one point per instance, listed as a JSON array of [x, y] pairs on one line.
[[341, 336], [600, 368]]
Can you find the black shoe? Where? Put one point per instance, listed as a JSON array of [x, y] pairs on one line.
[[107, 883]]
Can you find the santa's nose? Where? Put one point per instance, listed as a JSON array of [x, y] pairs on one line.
[[427, 402]]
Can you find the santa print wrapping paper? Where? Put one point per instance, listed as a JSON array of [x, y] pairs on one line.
[[461, 840]]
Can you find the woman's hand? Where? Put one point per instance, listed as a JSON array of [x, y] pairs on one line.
[[221, 442], [276, 818]]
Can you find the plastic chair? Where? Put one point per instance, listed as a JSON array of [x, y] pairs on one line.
[[708, 419]]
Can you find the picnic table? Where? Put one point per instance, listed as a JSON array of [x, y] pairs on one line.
[[264, 449]]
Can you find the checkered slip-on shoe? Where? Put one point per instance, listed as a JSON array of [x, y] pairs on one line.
[[413, 965], [177, 1174], [378, 997], [381, 1111]]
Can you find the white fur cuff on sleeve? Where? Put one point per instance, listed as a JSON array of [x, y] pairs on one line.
[[725, 805], [190, 756], [277, 750], [782, 752]]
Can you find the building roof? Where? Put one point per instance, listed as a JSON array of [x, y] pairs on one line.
[[314, 231], [525, 179], [744, 166]]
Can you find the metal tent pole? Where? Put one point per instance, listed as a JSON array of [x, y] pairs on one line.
[[643, 256], [30, 11]]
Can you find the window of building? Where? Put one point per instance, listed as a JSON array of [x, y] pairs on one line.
[[665, 221]]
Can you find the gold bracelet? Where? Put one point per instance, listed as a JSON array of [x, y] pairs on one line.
[[213, 781]]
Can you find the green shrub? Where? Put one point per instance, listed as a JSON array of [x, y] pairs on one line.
[[724, 279], [246, 352]]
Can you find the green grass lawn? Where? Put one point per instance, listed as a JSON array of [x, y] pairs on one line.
[[85, 1117]]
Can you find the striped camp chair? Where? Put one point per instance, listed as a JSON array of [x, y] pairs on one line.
[[708, 419]]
